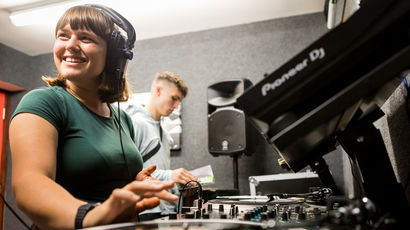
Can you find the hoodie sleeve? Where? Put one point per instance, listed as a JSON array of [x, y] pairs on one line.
[[163, 175]]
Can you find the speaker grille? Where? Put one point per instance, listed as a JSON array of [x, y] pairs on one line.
[[226, 131]]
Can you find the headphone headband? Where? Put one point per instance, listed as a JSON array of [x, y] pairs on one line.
[[120, 21], [119, 45]]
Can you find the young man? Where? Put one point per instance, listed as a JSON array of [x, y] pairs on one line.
[[153, 142]]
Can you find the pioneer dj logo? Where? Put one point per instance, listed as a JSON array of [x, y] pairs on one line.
[[314, 55]]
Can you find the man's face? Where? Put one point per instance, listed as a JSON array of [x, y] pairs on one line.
[[169, 99]]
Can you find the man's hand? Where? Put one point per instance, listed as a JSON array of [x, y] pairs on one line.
[[182, 176]]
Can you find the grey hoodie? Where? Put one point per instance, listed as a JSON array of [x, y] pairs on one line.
[[147, 136]]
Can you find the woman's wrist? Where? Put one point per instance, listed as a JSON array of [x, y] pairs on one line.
[[94, 217]]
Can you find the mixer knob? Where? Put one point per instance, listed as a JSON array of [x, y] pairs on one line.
[[272, 214], [302, 216], [257, 211], [264, 208], [221, 208], [209, 207], [316, 212], [197, 214], [172, 216], [223, 216], [205, 216], [185, 209], [232, 210], [285, 216], [189, 215], [297, 209], [248, 216], [289, 214]]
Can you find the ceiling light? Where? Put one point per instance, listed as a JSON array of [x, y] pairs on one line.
[[46, 14]]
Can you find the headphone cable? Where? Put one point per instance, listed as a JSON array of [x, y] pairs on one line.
[[199, 195], [119, 130]]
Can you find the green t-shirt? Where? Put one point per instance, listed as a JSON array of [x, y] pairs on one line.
[[90, 161]]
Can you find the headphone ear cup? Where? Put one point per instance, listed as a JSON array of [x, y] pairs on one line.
[[114, 61]]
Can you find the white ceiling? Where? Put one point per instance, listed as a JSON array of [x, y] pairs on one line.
[[154, 18]]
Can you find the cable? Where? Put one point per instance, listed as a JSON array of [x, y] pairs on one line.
[[406, 99], [199, 195], [122, 146], [119, 130], [14, 212]]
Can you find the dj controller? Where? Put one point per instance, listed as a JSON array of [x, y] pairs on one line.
[[255, 212], [259, 212]]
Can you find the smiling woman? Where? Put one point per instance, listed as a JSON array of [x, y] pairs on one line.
[[69, 145], [79, 53]]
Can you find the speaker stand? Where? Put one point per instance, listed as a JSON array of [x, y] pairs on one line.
[[235, 172]]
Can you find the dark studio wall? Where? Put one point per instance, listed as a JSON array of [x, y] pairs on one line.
[[201, 59]]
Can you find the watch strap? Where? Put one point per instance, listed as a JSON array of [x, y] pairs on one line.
[[81, 212]]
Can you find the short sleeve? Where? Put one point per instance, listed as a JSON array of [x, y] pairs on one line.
[[45, 103]]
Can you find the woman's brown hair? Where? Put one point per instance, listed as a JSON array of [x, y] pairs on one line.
[[90, 18]]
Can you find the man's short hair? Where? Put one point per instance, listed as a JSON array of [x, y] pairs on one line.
[[174, 79]]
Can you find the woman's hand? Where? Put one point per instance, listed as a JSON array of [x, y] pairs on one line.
[[124, 204], [145, 174]]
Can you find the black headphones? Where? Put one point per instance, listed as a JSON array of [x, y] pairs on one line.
[[118, 51], [120, 44]]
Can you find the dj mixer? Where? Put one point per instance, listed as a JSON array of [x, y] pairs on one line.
[[257, 212]]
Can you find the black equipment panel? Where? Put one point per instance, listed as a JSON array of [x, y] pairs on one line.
[[303, 104]]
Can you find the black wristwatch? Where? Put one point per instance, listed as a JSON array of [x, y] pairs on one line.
[[81, 212]]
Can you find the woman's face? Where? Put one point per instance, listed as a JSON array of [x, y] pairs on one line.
[[79, 54]]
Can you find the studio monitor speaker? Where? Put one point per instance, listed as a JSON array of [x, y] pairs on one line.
[[227, 133], [227, 125]]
